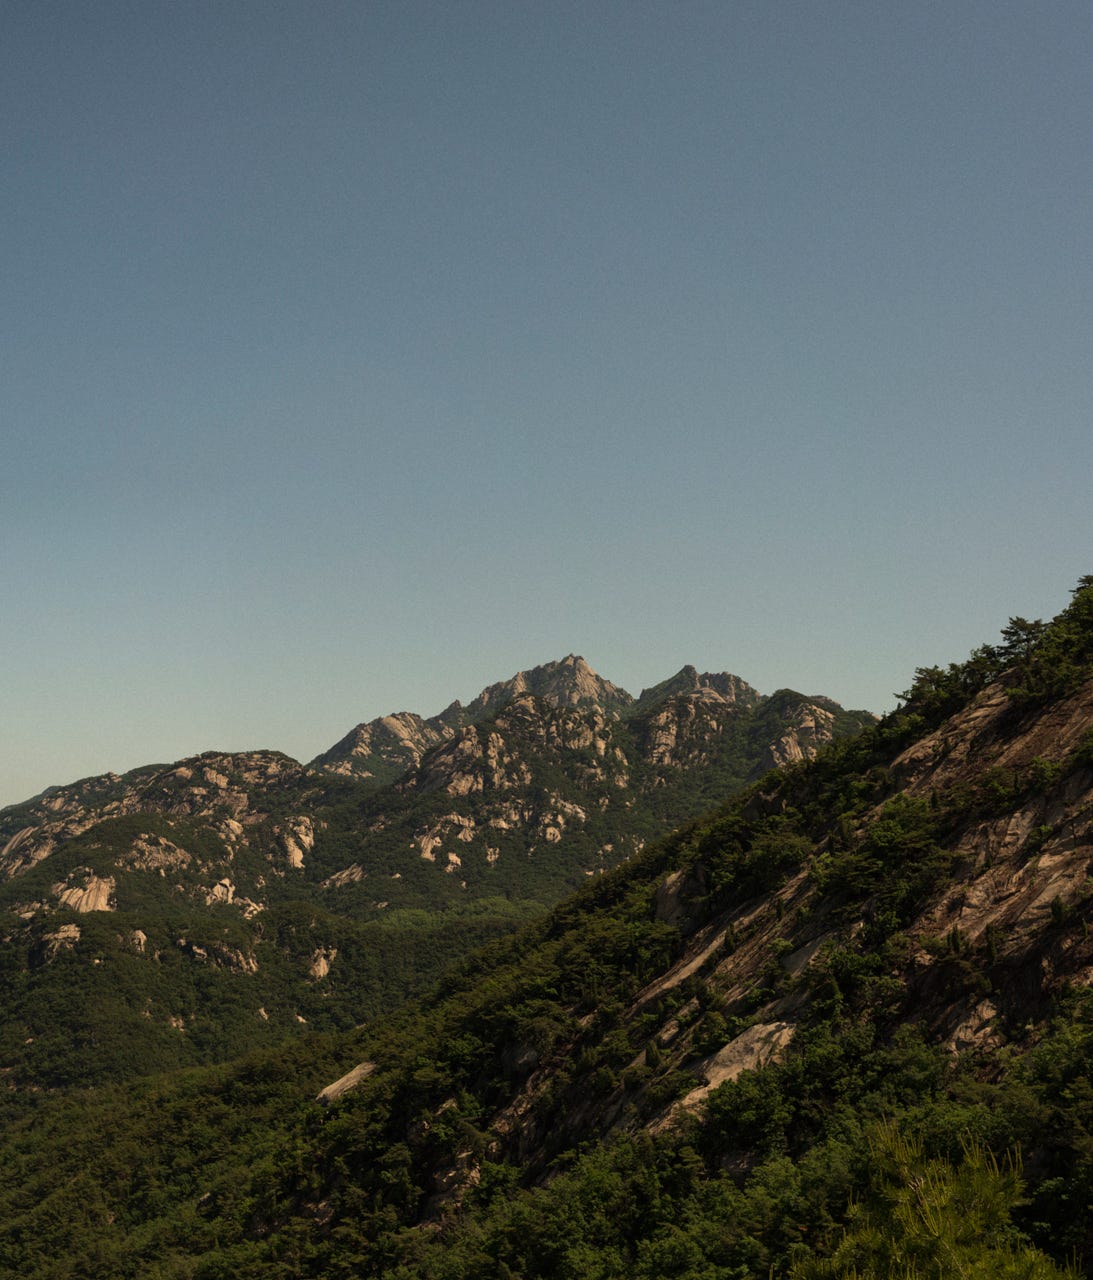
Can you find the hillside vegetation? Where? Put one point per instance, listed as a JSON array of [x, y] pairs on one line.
[[838, 1027]]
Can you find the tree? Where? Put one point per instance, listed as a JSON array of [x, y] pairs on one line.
[[1020, 637], [924, 1219]]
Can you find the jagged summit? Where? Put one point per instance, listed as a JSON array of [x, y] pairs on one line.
[[720, 686], [382, 750], [570, 682]]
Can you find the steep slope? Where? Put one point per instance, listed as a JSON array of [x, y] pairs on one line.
[[683, 1069]]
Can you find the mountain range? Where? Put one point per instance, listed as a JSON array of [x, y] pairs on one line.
[[836, 1025], [226, 900]]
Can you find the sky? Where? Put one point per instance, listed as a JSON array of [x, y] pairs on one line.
[[354, 356]]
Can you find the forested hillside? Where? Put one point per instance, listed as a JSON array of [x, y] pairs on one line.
[[839, 1027]]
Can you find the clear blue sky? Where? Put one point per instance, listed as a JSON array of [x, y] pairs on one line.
[[356, 355]]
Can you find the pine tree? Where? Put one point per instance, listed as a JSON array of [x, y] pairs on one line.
[[924, 1219]]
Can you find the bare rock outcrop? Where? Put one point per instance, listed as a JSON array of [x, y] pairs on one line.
[[94, 894], [298, 838], [343, 1084]]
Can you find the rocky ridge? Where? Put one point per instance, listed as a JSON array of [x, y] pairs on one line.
[[391, 745], [562, 717], [384, 748]]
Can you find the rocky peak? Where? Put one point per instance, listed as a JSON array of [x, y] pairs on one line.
[[500, 753], [714, 687], [568, 683], [384, 749], [691, 706]]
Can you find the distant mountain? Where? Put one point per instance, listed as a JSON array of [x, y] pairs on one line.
[[383, 749], [722, 687], [231, 899], [568, 683], [387, 747]]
